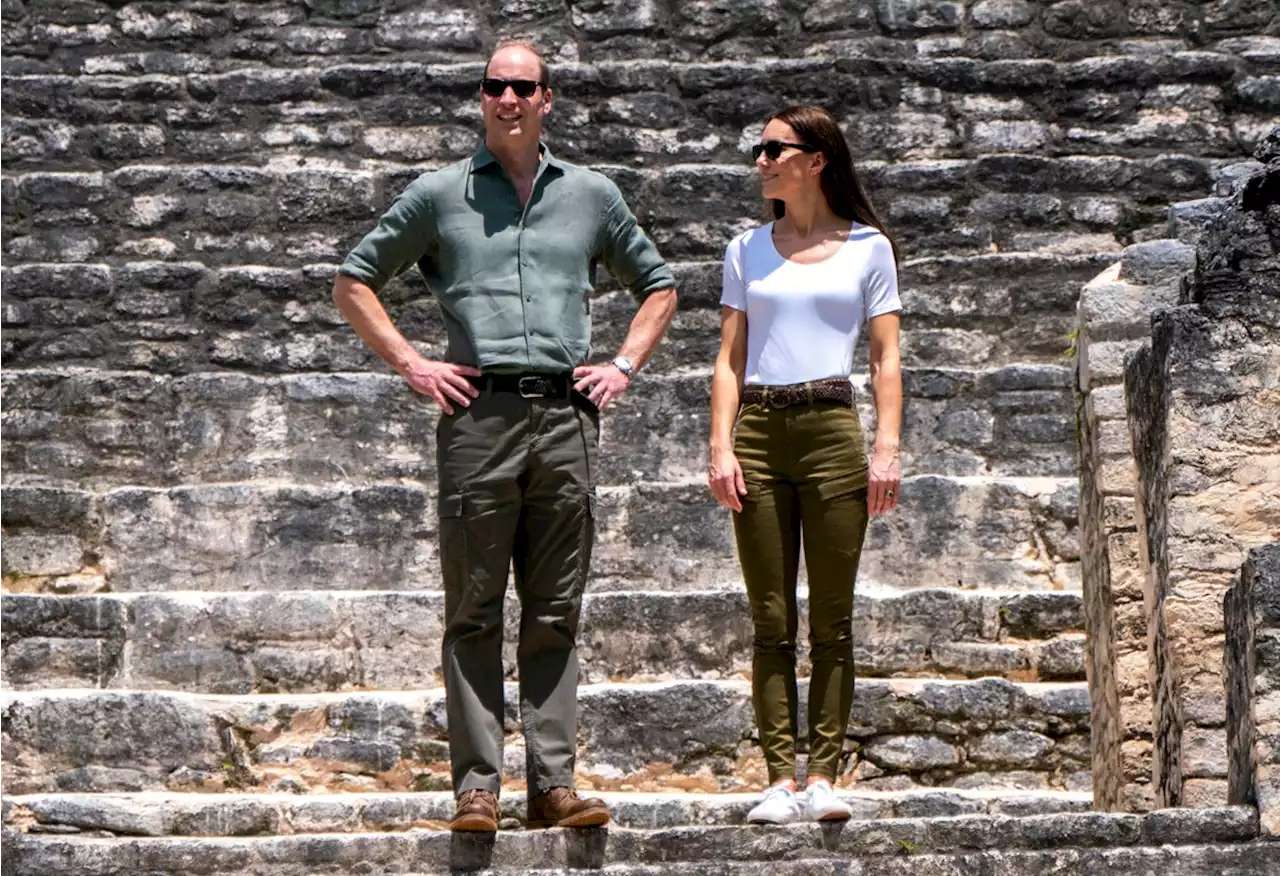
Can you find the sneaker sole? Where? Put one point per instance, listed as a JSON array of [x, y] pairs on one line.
[[835, 816], [778, 823]]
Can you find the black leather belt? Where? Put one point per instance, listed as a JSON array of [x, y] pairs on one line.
[[526, 385], [835, 391]]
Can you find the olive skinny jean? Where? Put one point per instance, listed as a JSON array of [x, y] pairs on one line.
[[805, 468]]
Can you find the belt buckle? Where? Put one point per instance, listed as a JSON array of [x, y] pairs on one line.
[[538, 387], [779, 399]]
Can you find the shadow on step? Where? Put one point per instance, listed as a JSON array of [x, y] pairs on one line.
[[831, 831], [584, 849], [470, 851]]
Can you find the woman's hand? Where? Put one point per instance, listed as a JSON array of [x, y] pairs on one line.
[[884, 482], [725, 478]]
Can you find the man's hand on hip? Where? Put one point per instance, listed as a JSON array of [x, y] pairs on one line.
[[600, 383], [443, 381]]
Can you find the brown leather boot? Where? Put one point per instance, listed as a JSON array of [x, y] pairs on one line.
[[477, 811], [562, 807]]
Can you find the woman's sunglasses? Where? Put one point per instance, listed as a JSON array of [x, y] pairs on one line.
[[498, 87], [773, 148]]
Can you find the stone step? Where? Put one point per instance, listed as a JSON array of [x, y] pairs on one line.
[[966, 202], [976, 311], [1190, 842], [303, 642], [687, 735], [901, 103], [230, 814], [1012, 533], [979, 311], [102, 429]]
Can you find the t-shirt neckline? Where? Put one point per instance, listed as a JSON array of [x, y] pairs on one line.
[[853, 226]]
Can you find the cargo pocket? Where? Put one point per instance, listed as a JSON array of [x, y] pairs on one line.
[[453, 543], [587, 537]]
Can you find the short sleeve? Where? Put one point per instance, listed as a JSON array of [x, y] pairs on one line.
[[401, 238], [733, 292], [628, 252], [880, 285]]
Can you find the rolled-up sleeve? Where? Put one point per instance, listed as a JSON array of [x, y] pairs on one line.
[[400, 240], [629, 254]]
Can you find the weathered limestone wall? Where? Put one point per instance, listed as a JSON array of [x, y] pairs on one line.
[[1204, 406], [1252, 610], [1114, 314], [1223, 428]]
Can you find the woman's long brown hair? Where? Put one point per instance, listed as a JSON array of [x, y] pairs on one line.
[[840, 184]]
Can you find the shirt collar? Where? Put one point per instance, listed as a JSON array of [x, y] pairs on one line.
[[483, 158]]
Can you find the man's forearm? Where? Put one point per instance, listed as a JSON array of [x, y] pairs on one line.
[[648, 326], [361, 307]]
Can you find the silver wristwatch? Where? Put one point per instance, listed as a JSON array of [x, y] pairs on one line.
[[623, 364]]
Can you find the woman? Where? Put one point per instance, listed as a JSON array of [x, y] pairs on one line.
[[796, 294]]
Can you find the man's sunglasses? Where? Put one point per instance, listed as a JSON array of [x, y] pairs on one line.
[[498, 87], [773, 148]]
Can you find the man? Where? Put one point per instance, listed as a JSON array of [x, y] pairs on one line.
[[507, 240]]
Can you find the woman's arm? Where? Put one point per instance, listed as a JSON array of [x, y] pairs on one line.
[[724, 474], [886, 390]]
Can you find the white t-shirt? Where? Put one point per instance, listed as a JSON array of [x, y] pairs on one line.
[[803, 320]]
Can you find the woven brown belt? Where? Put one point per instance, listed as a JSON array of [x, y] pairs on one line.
[[836, 391]]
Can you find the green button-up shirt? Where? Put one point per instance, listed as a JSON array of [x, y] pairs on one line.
[[513, 282]]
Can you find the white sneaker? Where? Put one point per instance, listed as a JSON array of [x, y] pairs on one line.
[[779, 806], [822, 804]]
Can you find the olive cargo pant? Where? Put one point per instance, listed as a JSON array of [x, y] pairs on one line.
[[805, 468], [516, 487]]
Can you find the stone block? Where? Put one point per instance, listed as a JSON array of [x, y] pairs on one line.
[[123, 142], [249, 538], [119, 815], [1121, 310], [141, 735], [1002, 13], [1021, 749], [1009, 135], [57, 281], [1157, 262], [1076, 19], [825, 15], [1108, 401], [1103, 362], [326, 196], [919, 16], [912, 753], [256, 86], [605, 18], [1204, 754], [56, 641], [43, 555]]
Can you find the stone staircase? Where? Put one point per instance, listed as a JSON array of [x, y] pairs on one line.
[[221, 605]]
